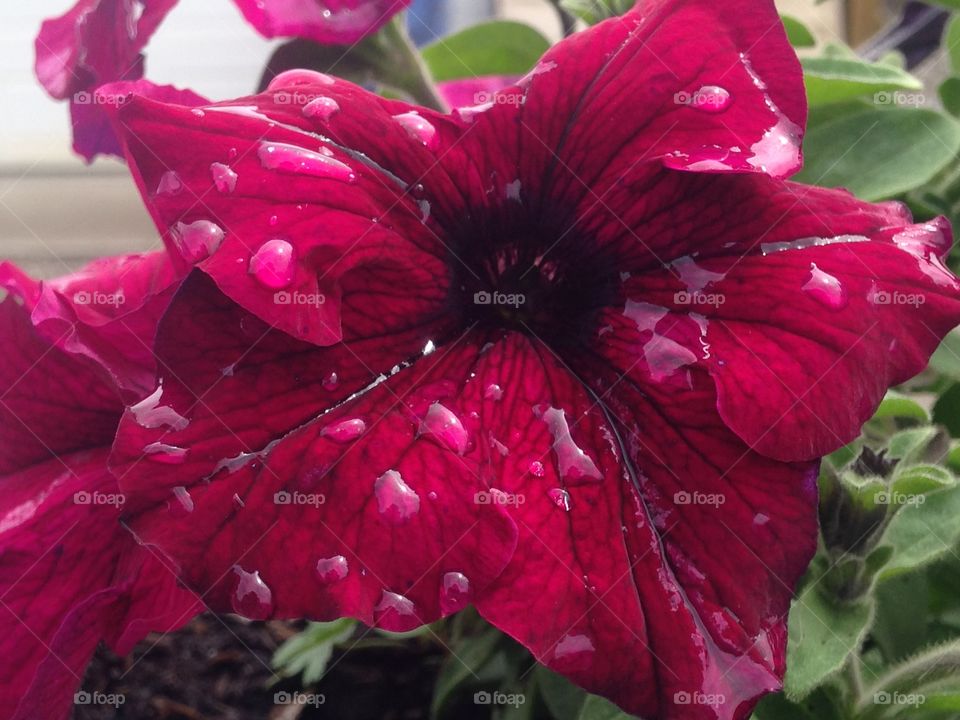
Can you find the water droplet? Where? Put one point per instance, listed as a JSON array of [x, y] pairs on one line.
[[418, 128], [345, 430], [170, 184], [825, 289], [197, 112], [300, 161], [442, 425], [198, 240], [183, 502], [292, 78], [165, 454], [493, 392], [577, 647], [223, 177], [394, 611], [536, 469], [150, 414], [322, 108], [573, 463], [332, 569], [251, 597], [273, 220], [396, 500], [455, 593], [274, 264], [711, 99], [560, 498], [513, 190]]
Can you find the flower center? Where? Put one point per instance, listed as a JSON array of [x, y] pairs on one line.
[[540, 285]]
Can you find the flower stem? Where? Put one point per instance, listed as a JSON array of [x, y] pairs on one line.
[[403, 67]]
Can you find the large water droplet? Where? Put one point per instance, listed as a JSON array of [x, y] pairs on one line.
[[300, 161], [455, 593], [345, 430], [322, 108], [573, 463], [396, 500], [536, 469], [442, 425], [198, 240], [493, 392], [711, 99], [223, 177], [825, 289], [332, 569], [394, 611], [170, 184], [274, 264], [150, 414], [419, 128], [560, 498], [165, 454], [251, 597], [575, 648]]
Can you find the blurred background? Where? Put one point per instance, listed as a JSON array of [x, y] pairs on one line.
[[56, 212]]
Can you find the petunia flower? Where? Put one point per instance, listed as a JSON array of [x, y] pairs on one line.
[[571, 356], [101, 41], [71, 574]]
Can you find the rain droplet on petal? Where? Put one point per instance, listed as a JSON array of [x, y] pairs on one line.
[[332, 569], [455, 592], [198, 240], [165, 454], [331, 381], [274, 264], [825, 289], [300, 161], [394, 611], [396, 500], [442, 425], [574, 647], [170, 184], [493, 392], [560, 498], [536, 469], [251, 597], [322, 108], [711, 99], [419, 128], [573, 463], [150, 414], [345, 430], [183, 502], [223, 177]]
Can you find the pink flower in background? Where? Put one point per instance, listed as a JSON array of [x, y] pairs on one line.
[[330, 22]]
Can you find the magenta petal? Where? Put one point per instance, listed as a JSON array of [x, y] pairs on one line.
[[467, 92], [331, 22], [282, 507]]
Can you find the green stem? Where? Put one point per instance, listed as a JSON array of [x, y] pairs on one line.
[[403, 67]]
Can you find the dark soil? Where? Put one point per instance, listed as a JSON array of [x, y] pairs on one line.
[[219, 669]]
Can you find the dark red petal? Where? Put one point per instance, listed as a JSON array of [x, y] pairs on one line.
[[617, 582], [304, 203], [698, 85], [470, 91], [50, 403], [333, 22], [107, 311], [274, 504], [804, 304], [71, 576]]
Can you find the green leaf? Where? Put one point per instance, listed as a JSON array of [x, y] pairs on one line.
[[951, 41], [912, 481], [946, 359], [461, 667], [598, 708], [900, 626], [830, 80], [918, 445], [949, 92], [946, 411], [921, 532], [798, 34], [566, 701], [500, 47], [593, 11], [898, 405], [907, 684], [878, 153], [823, 636], [309, 651]]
